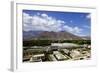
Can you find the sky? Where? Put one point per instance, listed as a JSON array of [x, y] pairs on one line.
[[73, 22]]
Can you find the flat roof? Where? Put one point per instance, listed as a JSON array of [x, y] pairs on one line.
[[59, 56], [64, 44], [38, 55]]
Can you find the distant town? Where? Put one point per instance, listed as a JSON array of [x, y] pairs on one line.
[[57, 52]]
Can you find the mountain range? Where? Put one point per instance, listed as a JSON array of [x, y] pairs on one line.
[[51, 35]]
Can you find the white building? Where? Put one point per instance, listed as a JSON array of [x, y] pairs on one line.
[[64, 44]]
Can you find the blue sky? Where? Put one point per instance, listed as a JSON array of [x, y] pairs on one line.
[[73, 22]]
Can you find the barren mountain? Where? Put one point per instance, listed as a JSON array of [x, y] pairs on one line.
[[49, 35]]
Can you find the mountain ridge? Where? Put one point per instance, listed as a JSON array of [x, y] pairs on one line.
[[50, 35]]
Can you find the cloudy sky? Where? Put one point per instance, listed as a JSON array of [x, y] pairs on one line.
[[73, 22]]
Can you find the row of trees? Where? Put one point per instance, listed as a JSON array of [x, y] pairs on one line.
[[48, 42]]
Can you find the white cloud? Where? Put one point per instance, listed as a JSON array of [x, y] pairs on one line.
[[88, 16], [44, 15], [74, 30], [26, 18], [43, 22], [77, 30], [86, 26], [38, 13]]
